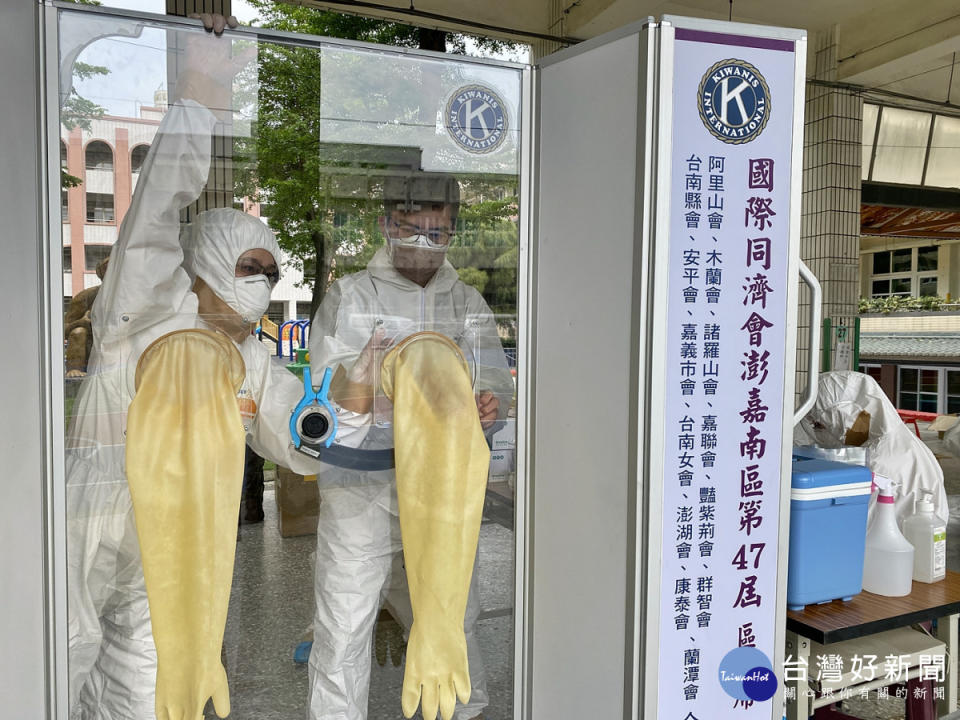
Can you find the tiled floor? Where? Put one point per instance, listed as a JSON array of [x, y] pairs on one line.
[[272, 604]]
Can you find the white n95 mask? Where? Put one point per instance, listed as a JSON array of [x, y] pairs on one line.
[[251, 296]]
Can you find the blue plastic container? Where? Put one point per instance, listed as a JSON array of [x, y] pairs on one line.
[[828, 527]]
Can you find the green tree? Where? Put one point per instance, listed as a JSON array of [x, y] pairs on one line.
[[319, 197], [78, 111]]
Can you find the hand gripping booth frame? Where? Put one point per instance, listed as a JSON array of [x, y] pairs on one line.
[[598, 156]]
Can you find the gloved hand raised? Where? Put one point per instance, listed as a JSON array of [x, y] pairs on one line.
[[208, 66]]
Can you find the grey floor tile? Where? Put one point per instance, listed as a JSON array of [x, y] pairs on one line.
[[271, 607]]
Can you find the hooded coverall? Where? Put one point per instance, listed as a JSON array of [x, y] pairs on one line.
[[147, 293], [358, 531]]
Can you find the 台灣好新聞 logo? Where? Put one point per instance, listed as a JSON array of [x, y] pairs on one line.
[[476, 119], [734, 101]]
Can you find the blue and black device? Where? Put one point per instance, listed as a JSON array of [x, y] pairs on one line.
[[313, 424]]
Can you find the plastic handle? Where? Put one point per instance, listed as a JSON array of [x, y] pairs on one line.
[[813, 354]]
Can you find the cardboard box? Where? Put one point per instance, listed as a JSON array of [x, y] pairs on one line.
[[298, 503]]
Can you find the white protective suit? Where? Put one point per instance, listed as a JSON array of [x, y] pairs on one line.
[[893, 450], [147, 293], [358, 531]]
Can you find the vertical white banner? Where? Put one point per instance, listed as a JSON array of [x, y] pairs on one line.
[[729, 249]]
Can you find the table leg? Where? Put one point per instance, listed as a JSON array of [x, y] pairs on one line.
[[947, 633], [798, 647]]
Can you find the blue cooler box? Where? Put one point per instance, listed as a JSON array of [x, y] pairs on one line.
[[828, 528]]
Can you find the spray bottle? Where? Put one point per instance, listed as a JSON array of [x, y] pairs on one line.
[[888, 559], [928, 535]]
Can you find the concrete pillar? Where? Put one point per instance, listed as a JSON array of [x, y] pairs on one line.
[[542, 48], [122, 174], [76, 208], [830, 211]]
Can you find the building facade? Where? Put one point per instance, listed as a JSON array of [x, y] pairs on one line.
[[910, 256], [105, 154]]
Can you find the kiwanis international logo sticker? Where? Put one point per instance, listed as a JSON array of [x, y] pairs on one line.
[[734, 101], [476, 119]]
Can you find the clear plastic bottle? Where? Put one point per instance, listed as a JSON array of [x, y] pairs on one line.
[[888, 559], [928, 535]]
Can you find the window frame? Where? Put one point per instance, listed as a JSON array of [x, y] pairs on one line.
[[914, 275], [942, 394]]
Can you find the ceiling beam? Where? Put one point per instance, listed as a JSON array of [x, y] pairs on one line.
[[895, 33], [918, 234], [941, 224], [891, 221], [518, 22]]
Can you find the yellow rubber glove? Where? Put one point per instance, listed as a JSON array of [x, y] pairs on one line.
[[185, 454], [442, 460]]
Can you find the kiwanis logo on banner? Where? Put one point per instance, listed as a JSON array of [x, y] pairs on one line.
[[734, 101]]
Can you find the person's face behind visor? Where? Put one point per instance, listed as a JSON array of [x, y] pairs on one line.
[[250, 264], [258, 262], [419, 240]]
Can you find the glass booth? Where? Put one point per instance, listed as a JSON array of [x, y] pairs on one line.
[[282, 248], [390, 181]]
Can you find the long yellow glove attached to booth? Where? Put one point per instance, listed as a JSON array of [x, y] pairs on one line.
[[185, 442], [442, 460]]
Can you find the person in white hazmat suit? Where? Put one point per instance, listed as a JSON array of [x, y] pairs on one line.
[[893, 450], [219, 275], [408, 286]]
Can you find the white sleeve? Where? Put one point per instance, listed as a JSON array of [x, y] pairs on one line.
[[145, 280], [493, 371], [270, 431], [328, 349]]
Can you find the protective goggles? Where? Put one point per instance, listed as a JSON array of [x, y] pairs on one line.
[[247, 267], [409, 235]]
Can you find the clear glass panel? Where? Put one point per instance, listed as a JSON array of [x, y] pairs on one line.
[[869, 130], [928, 403], [927, 258], [99, 208], [99, 156], [943, 168], [901, 146], [953, 405], [902, 260], [908, 379], [908, 401], [391, 183], [881, 263], [94, 255], [953, 382], [880, 288], [137, 157], [929, 380], [928, 286], [900, 286]]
